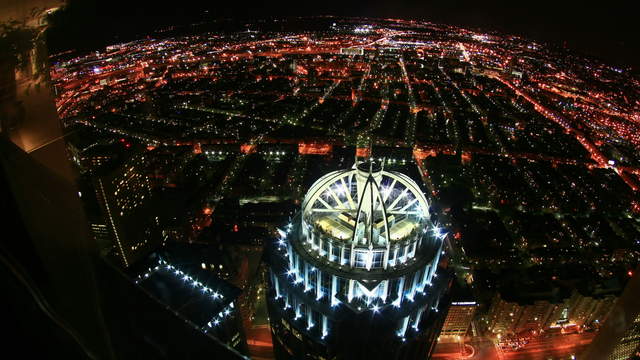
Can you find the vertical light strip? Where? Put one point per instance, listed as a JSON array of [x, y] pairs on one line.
[[297, 305], [385, 259], [290, 253], [306, 277], [395, 255], [276, 283], [113, 225], [403, 326], [330, 255], [309, 318], [398, 301], [368, 260], [325, 329], [350, 293], [334, 290], [318, 284], [353, 252], [418, 316], [385, 290], [425, 277], [434, 265], [416, 283], [297, 267]]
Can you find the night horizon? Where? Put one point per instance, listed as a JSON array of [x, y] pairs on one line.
[[605, 32]]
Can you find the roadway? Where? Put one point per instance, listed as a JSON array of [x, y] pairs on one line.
[[554, 346]]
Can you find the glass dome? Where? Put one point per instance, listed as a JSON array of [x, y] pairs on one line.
[[367, 212]]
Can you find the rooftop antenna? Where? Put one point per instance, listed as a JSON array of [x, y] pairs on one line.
[[371, 155]]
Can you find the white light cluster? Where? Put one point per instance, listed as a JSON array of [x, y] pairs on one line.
[[438, 234], [364, 29], [146, 274], [181, 274], [195, 283], [219, 317]]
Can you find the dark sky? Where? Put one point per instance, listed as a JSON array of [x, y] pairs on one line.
[[605, 29]]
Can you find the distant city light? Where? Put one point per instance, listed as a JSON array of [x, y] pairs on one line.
[[525, 153]]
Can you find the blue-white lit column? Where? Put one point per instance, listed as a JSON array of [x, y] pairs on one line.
[[435, 307], [306, 277], [350, 293], [325, 328], [400, 294], [415, 284], [385, 291], [353, 254], [290, 254], [334, 290], [403, 326], [436, 261], [298, 310], [276, 284], [309, 319], [319, 293], [385, 259], [425, 277], [418, 317]]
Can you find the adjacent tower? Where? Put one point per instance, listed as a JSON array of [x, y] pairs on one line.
[[355, 275]]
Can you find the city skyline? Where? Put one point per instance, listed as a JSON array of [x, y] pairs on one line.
[[605, 31], [322, 187]]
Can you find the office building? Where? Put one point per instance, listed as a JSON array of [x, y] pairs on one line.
[[355, 275]]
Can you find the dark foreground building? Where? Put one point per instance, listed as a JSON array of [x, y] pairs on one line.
[[619, 337], [355, 275], [182, 278]]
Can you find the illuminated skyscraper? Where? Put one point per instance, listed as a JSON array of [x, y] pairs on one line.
[[124, 197], [355, 275]]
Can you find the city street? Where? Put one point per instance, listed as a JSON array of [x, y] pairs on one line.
[[553, 346], [483, 348]]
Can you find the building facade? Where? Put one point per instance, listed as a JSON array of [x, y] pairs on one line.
[[619, 336], [459, 318], [511, 317], [124, 197], [355, 274]]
